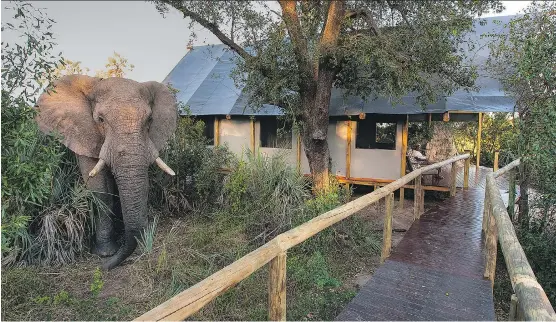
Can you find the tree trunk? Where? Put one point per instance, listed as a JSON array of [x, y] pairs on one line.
[[314, 136]]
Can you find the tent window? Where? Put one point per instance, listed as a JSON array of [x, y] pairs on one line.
[[208, 130], [275, 133], [375, 135]]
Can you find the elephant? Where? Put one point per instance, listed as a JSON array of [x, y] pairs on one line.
[[115, 126]]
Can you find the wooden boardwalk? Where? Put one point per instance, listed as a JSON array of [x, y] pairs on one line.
[[435, 272]]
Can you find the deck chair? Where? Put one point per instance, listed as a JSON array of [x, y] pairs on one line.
[[413, 164]]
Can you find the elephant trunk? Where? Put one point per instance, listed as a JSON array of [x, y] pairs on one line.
[[131, 174]]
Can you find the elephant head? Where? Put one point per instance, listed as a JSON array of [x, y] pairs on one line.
[[121, 122]]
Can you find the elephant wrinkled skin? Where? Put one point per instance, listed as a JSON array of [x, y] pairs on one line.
[[116, 126]]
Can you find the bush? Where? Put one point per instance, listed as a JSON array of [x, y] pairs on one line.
[[539, 244], [43, 206], [199, 171]]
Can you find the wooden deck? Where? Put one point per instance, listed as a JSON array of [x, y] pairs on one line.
[[435, 272]]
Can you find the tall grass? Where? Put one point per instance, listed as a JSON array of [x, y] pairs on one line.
[[265, 193], [146, 241], [62, 228]]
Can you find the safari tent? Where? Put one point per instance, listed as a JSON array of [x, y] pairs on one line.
[[367, 139]]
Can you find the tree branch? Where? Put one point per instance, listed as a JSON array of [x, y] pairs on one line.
[[331, 33], [402, 13], [291, 19], [213, 28], [365, 13]]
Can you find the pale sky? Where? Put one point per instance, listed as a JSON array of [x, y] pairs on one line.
[[90, 31]]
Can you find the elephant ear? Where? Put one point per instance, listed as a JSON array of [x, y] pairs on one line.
[[164, 113], [66, 109]]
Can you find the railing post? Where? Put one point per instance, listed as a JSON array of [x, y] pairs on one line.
[[387, 232], [511, 197], [492, 249], [486, 211], [418, 206], [512, 316], [496, 154], [277, 288], [466, 170], [453, 177]]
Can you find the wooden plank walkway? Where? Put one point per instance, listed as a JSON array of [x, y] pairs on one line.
[[435, 272]]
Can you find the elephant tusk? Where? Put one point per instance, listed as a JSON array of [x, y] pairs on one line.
[[100, 164], [164, 167]]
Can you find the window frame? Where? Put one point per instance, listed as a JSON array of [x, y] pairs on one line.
[[209, 121], [277, 124], [362, 125]]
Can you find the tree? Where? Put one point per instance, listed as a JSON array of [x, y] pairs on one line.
[[293, 57], [525, 60], [117, 66], [69, 67]]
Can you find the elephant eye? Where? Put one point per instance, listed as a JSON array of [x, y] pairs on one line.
[[101, 119]]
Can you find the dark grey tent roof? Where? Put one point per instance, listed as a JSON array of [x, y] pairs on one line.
[[203, 79]]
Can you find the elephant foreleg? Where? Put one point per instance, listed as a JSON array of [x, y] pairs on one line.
[[103, 186]]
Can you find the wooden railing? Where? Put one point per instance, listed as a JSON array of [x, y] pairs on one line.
[[529, 301], [193, 299]]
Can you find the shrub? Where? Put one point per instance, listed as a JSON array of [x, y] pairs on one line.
[[538, 239], [199, 176], [352, 233], [45, 207]]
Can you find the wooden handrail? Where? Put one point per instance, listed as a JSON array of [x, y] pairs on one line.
[[532, 301], [194, 298]]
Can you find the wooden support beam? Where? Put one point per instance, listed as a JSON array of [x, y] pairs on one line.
[[348, 149], [512, 316], [299, 153], [466, 171], [216, 131], [491, 249], [417, 198], [422, 201], [486, 213], [496, 153], [453, 177], [253, 135], [511, 197], [403, 165], [478, 145], [429, 123], [277, 288], [387, 232]]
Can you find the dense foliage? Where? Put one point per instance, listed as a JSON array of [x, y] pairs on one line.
[[198, 183], [525, 60], [29, 158], [498, 134]]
